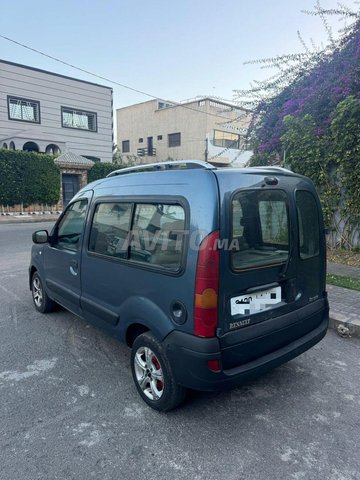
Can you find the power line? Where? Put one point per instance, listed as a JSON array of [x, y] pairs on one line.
[[122, 85]]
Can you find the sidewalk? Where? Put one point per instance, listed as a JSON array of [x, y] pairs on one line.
[[344, 303]]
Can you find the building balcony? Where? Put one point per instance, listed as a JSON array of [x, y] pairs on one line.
[[146, 152]]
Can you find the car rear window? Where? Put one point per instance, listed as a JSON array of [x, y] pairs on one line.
[[260, 229], [308, 224]]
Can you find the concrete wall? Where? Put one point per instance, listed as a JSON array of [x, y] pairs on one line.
[[54, 91]]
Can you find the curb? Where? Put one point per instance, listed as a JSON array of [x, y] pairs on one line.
[[28, 219], [343, 326]]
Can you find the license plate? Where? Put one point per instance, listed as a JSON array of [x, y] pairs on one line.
[[255, 302]]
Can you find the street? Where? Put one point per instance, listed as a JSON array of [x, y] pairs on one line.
[[69, 409]]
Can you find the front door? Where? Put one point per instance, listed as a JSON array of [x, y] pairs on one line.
[[63, 255], [70, 186], [150, 146]]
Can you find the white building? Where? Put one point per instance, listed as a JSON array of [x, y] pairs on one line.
[[203, 129], [46, 112]]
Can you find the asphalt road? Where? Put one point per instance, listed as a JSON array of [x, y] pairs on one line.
[[69, 409]]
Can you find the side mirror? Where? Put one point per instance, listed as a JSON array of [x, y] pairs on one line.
[[41, 236]]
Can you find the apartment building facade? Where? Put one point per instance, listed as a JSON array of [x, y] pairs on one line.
[[46, 112], [202, 129]]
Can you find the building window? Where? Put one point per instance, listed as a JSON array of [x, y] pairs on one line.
[[23, 109], [72, 118], [141, 140], [202, 103], [125, 147], [221, 106], [159, 137], [162, 105], [174, 139], [226, 139], [12, 146], [52, 149], [31, 147]]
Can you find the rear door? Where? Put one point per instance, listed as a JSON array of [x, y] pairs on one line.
[[311, 253], [258, 255], [268, 269]]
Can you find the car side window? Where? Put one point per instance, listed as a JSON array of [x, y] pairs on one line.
[[110, 229], [158, 235], [308, 223], [148, 233], [70, 228]]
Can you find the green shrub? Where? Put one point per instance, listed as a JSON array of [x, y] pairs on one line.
[[100, 170], [28, 177]]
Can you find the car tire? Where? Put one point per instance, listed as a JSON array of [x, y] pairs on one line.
[[153, 375], [42, 302]]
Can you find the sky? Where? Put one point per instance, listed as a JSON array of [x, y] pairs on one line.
[[174, 50]]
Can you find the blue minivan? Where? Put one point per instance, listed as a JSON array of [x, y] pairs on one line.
[[211, 275]]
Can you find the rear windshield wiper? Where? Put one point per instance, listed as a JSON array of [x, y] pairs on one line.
[[285, 268]]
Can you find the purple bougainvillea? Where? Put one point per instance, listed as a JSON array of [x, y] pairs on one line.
[[316, 91]]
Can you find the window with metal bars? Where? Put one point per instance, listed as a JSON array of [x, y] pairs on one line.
[[226, 139], [23, 109], [125, 146], [72, 118]]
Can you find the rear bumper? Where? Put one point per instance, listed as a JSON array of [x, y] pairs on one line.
[[189, 356]]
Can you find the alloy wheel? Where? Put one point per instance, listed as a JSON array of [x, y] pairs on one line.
[[37, 292], [149, 374]]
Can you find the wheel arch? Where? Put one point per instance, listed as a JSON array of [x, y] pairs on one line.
[[138, 315], [32, 270], [133, 331]]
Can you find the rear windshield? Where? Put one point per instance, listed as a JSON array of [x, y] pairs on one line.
[[260, 229]]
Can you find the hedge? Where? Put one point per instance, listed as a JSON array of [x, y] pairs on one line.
[[101, 169], [27, 178]]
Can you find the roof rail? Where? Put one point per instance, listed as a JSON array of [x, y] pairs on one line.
[[273, 168], [177, 164]]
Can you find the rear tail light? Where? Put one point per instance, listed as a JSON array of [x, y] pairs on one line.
[[207, 287]]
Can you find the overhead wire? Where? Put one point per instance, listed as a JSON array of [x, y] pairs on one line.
[[101, 77]]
